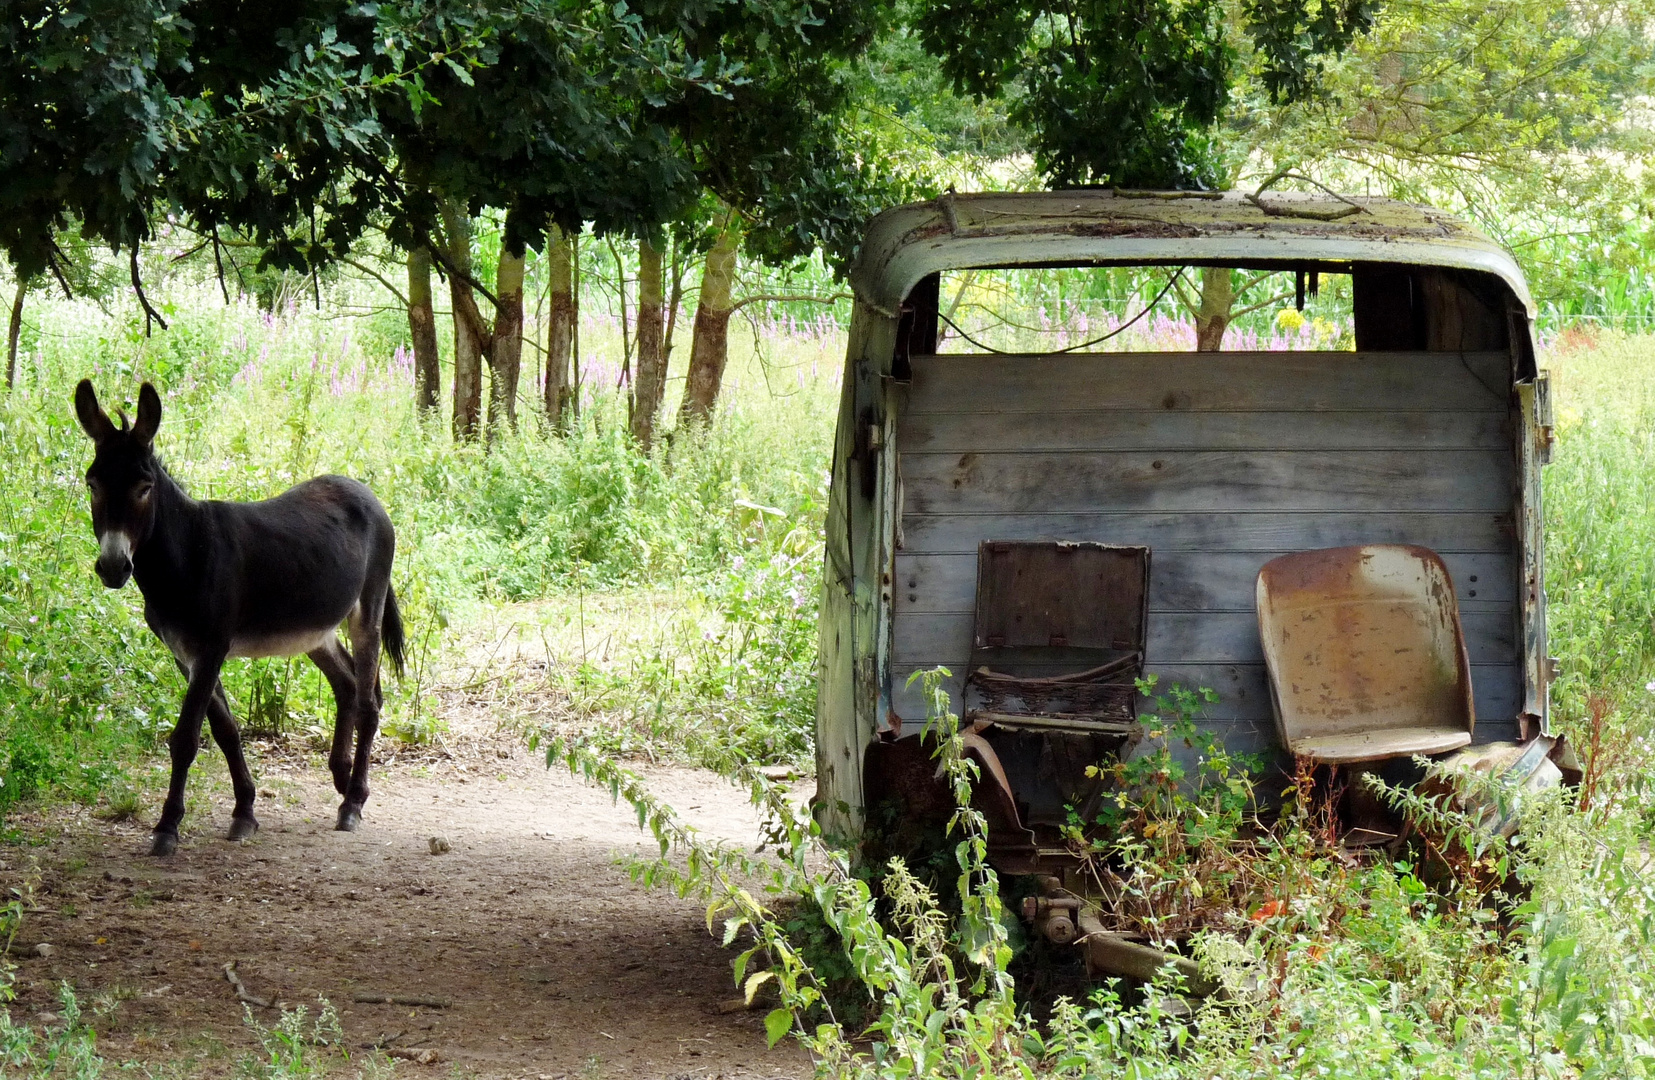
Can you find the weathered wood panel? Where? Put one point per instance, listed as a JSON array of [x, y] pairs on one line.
[[1217, 463], [1221, 382], [1200, 480], [1263, 531], [1244, 693], [1185, 637], [1160, 429], [1180, 580]]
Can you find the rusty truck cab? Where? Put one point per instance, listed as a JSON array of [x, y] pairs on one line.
[[1048, 526]]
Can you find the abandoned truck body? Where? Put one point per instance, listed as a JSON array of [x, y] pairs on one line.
[[1048, 526]]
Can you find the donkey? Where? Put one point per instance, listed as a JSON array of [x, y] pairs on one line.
[[222, 579]]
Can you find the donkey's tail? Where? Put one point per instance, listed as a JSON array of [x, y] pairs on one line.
[[390, 630]]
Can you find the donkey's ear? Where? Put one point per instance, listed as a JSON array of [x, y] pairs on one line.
[[149, 414], [93, 420]]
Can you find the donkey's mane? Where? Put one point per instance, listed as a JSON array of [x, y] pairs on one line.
[[162, 471]]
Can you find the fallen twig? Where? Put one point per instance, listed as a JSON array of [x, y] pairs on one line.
[[400, 999], [242, 993]]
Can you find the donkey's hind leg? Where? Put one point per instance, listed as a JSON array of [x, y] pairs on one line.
[[365, 635], [242, 822], [335, 663]]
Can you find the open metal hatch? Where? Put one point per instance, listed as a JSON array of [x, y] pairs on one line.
[[1059, 636]]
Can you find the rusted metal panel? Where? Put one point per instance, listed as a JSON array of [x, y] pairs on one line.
[[854, 613], [1518, 768], [1007, 229], [1531, 584], [1365, 653]]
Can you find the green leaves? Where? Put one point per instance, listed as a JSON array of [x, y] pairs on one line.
[[776, 1024], [1128, 92]]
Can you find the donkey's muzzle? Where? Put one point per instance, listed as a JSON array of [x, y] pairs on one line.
[[114, 563], [114, 572]]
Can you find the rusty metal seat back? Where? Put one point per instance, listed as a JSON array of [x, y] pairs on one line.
[[1058, 637], [1365, 653]]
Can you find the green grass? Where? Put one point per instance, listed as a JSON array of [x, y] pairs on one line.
[[1600, 546]]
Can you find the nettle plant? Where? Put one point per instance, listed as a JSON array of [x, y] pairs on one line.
[[936, 981], [1169, 839]]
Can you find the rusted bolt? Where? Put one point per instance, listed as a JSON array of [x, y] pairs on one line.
[[1058, 928]]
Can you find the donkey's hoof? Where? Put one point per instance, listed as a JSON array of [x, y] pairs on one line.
[[165, 843], [349, 818], [242, 828]]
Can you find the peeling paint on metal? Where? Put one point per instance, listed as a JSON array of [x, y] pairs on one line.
[[1102, 227]]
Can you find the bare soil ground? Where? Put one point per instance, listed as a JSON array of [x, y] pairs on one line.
[[554, 963]]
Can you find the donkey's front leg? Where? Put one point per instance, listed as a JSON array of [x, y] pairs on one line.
[[184, 741], [228, 737]]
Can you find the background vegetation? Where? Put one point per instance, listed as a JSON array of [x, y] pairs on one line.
[[254, 221]]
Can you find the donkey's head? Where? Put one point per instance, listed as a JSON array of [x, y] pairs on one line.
[[121, 479]]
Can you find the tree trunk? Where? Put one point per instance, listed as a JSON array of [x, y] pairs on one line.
[[470, 332], [14, 329], [506, 356], [422, 327], [675, 300], [1217, 299], [560, 335], [710, 345], [651, 383]]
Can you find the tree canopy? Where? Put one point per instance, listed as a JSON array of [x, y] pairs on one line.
[[1129, 92], [301, 125]]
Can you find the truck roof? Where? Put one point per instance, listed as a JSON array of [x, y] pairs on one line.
[[1115, 227]]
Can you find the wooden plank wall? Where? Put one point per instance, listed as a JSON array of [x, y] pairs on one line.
[[1218, 462]]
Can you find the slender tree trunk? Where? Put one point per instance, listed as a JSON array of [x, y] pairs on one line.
[[574, 327], [470, 332], [506, 355], [710, 346], [422, 327], [1217, 300], [14, 329], [560, 332], [675, 300], [628, 342], [650, 385]]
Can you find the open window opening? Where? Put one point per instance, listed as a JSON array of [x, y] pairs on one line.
[[1301, 307], [1144, 309]]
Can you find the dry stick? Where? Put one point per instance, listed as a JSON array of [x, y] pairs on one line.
[[400, 999], [242, 993]]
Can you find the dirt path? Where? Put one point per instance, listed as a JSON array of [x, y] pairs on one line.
[[556, 965]]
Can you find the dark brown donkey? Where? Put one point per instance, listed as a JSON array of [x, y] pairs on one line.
[[222, 579]]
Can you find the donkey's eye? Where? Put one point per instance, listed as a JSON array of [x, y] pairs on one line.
[[141, 492]]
